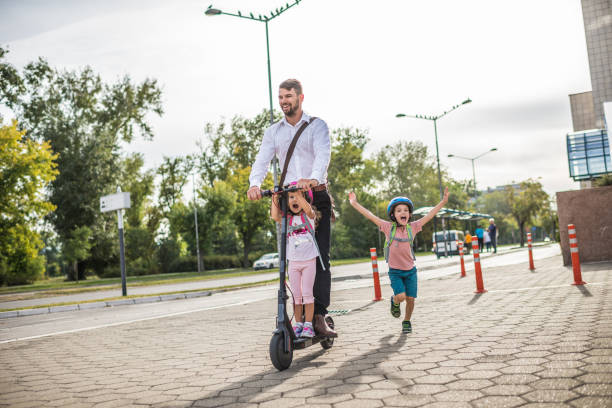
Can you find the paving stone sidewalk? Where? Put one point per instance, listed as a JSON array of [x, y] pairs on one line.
[[533, 340]]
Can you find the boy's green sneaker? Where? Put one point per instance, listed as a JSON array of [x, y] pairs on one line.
[[395, 309], [406, 326]]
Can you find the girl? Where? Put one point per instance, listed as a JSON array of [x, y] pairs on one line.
[[398, 249], [302, 252]]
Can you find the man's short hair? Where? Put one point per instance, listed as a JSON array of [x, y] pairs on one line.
[[290, 84]]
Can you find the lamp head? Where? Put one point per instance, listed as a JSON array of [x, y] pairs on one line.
[[400, 115], [451, 155], [493, 149], [468, 100], [212, 12]]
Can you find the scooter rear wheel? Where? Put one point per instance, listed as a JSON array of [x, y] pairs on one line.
[[329, 342], [280, 360]]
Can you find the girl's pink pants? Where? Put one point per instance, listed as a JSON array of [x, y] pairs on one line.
[[301, 278]]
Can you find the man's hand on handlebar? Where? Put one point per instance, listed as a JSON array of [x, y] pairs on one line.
[[254, 193], [307, 184]]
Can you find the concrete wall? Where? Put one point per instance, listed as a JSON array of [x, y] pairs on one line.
[[590, 211]]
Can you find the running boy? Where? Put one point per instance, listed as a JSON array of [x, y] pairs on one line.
[[398, 249], [302, 252]]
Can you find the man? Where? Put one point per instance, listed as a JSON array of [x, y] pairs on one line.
[[308, 167], [493, 234]]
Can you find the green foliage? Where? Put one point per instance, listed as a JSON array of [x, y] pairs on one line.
[[348, 169], [605, 180], [526, 202], [84, 120], [77, 246], [174, 174], [26, 169]]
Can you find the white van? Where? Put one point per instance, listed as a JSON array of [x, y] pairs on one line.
[[452, 236]]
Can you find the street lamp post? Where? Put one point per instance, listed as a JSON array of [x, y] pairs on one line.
[[195, 215], [435, 122], [264, 19], [472, 159]]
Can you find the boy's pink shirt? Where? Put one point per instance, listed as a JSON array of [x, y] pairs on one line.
[[400, 253]]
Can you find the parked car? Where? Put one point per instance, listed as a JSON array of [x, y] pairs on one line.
[[267, 261], [452, 236]]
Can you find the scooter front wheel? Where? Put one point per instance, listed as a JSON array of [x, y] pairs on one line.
[[280, 360]]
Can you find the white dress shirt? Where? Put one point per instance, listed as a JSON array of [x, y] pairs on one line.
[[310, 157]]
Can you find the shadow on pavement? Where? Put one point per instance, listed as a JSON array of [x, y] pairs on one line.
[[253, 389], [475, 298], [585, 292]]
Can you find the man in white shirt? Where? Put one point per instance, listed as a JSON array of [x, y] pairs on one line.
[[308, 167]]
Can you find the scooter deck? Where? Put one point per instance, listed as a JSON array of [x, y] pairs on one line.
[[303, 342]]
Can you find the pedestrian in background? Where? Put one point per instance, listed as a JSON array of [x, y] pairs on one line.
[[480, 235], [468, 242], [493, 234], [487, 240]]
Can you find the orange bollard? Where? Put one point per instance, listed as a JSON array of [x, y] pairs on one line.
[[531, 266], [377, 295], [573, 243], [460, 246], [477, 271]]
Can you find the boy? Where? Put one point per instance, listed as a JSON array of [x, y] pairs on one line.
[[400, 257]]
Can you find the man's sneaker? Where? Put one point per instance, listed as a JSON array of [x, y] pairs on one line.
[[406, 326], [308, 331], [395, 309], [297, 329]]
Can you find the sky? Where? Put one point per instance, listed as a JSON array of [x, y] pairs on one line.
[[360, 64]]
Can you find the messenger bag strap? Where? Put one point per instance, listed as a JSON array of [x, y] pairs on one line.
[[292, 148]]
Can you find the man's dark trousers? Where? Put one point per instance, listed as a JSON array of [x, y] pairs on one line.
[[322, 283]]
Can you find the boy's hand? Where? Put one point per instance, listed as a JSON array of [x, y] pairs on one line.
[[445, 198], [352, 198]]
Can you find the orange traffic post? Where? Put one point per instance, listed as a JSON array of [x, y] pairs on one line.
[[477, 271], [531, 266], [377, 295], [460, 246], [573, 243]]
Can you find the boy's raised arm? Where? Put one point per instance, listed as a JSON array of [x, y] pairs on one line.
[[364, 211], [437, 208]]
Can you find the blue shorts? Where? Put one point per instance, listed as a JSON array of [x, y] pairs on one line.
[[404, 281]]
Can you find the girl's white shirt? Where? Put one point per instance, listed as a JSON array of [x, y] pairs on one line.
[[301, 245]]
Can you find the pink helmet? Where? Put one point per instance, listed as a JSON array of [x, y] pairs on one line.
[[308, 193]]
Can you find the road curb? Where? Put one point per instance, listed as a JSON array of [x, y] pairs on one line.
[[99, 305]]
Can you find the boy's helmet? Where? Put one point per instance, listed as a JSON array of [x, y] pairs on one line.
[[398, 200]]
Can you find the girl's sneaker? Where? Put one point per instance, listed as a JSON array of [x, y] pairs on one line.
[[297, 329], [308, 331], [406, 326], [395, 309]]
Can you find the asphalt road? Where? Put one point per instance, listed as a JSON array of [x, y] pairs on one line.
[[345, 277]]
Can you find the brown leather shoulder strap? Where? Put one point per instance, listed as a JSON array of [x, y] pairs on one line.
[[292, 148]]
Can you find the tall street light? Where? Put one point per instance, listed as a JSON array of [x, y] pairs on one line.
[[493, 149], [435, 121], [264, 19]]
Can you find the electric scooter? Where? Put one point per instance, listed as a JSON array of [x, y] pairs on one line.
[[283, 340]]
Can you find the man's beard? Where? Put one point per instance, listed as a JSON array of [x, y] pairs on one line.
[[292, 109]]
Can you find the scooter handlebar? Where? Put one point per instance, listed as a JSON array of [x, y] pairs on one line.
[[269, 193]]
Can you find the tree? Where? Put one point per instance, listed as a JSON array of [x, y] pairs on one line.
[[232, 148], [174, 174], [525, 202], [84, 120], [248, 216], [76, 248], [26, 169], [348, 169]]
